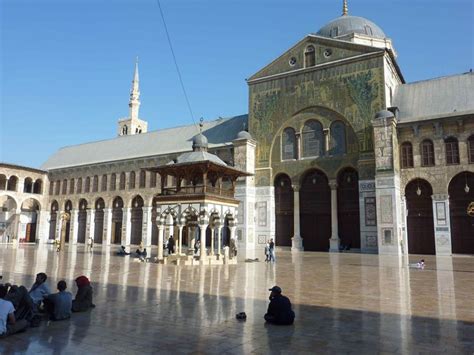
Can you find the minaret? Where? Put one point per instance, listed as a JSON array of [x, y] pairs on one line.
[[134, 103], [133, 124], [345, 10]]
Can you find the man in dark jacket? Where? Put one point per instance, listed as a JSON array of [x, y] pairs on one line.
[[171, 245], [279, 310]]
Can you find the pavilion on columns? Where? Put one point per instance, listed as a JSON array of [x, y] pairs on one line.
[[197, 202]]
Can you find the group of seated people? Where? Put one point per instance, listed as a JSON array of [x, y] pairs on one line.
[[20, 308], [140, 253]]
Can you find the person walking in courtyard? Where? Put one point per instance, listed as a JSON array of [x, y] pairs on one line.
[[8, 324], [83, 300], [40, 289], [90, 243], [279, 310], [271, 248], [59, 305], [171, 245], [267, 251]]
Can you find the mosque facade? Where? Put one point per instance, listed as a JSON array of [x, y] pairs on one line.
[[337, 153]]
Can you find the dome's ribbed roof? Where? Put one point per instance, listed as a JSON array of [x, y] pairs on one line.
[[200, 141], [351, 24]]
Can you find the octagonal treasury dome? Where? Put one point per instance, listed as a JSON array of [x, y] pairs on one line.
[[345, 25]]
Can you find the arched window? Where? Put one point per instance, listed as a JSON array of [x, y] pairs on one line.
[[113, 182], [79, 186], [104, 183], [122, 181], [309, 57], [38, 186], [338, 138], [288, 143], [28, 185], [313, 139], [95, 184], [407, 155], [142, 182], [131, 182], [452, 151], [470, 148], [57, 187], [152, 179], [64, 190], [427, 153], [124, 130], [71, 186], [87, 187]]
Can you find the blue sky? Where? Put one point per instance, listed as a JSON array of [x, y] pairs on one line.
[[66, 65]]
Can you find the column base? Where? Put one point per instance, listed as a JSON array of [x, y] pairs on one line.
[[297, 243], [334, 245]]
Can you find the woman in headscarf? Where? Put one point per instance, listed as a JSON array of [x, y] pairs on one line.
[[83, 300]]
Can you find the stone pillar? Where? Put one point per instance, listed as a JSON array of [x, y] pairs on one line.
[[108, 226], [90, 229], [147, 226], [192, 238], [42, 226], [442, 224], [126, 226], [298, 146], [232, 241], [213, 235], [219, 240], [326, 141], [296, 241], [180, 238], [203, 256], [334, 241], [74, 226], [161, 229]]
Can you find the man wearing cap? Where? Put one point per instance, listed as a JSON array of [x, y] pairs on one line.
[[279, 310]]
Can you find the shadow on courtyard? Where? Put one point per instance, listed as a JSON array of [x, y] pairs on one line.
[[133, 318]]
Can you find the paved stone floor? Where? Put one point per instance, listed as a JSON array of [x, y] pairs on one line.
[[344, 303]]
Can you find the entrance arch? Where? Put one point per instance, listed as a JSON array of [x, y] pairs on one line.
[[99, 221], [29, 220], [420, 225], [461, 197], [8, 206], [82, 221], [284, 220], [315, 211], [137, 220], [117, 218], [348, 208], [53, 219]]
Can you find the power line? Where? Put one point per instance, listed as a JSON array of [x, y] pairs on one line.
[[176, 63]]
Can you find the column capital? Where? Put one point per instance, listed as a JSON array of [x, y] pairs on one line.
[[296, 187], [333, 184]]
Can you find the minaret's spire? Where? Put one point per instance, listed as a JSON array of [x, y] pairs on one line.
[[134, 102], [345, 10]]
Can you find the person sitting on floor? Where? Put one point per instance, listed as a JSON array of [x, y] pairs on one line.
[[40, 289], [122, 251], [21, 300], [59, 305], [279, 310], [83, 300], [8, 324]]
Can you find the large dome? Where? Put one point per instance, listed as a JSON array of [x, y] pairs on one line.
[[351, 24]]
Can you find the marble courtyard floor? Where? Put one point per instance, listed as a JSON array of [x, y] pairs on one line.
[[344, 303]]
